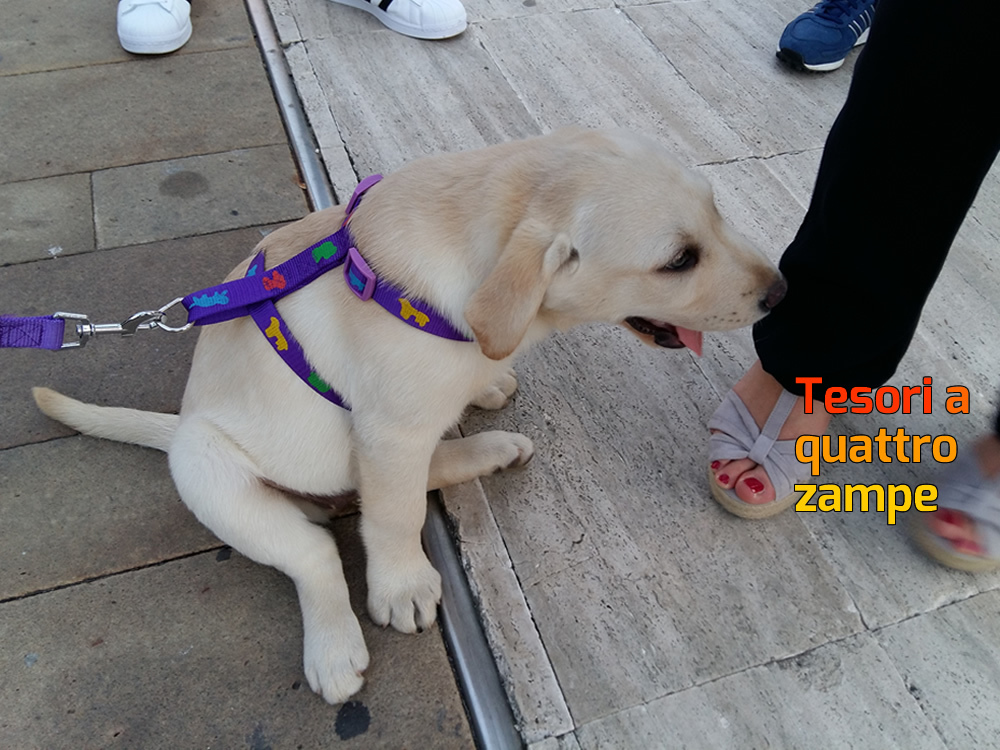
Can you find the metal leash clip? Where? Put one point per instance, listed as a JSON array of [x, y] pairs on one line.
[[141, 321]]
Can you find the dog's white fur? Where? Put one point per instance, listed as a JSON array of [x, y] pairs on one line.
[[510, 243]]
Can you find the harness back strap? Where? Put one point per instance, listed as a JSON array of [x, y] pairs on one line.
[[337, 249]]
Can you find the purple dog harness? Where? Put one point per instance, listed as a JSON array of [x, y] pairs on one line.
[[255, 295]]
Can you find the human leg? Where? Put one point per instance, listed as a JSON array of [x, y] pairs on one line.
[[900, 169]]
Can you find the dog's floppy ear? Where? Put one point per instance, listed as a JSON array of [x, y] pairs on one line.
[[501, 309]]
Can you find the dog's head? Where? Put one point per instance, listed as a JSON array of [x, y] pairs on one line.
[[618, 231]]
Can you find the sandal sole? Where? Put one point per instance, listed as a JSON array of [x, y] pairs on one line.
[[728, 500], [932, 545]]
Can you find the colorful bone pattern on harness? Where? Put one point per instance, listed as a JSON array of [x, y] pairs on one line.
[[319, 385], [324, 251], [407, 311], [269, 321], [273, 331], [219, 298], [277, 281], [236, 298]]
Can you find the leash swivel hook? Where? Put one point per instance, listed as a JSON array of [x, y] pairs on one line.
[[141, 321]]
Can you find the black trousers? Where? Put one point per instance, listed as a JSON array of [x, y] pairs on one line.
[[900, 169]]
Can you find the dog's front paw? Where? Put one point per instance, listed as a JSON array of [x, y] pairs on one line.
[[515, 450], [498, 394], [335, 658], [404, 595], [500, 450]]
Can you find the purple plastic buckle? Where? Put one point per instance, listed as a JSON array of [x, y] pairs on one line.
[[360, 190], [359, 277]]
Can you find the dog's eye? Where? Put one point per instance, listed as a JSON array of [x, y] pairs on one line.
[[684, 260]]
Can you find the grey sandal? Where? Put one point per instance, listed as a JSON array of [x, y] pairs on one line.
[[963, 488], [737, 436]]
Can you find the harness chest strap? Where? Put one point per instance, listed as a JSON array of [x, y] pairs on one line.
[[234, 299], [276, 331], [255, 294]]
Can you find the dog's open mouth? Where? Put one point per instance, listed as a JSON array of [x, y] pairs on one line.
[[666, 334]]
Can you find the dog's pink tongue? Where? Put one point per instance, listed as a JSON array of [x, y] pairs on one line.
[[690, 339]]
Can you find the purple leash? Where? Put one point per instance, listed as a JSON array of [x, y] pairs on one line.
[[45, 332]]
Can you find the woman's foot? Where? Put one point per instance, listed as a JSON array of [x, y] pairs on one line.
[[964, 532], [760, 393]]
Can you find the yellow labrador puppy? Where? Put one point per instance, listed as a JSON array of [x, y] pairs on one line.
[[507, 243]]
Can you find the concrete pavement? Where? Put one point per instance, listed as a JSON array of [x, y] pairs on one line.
[[125, 182]]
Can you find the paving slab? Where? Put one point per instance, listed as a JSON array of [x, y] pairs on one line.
[[32, 229], [948, 659], [842, 695], [758, 204], [78, 508], [55, 34], [298, 20], [566, 741], [639, 585], [147, 371], [325, 130], [628, 81], [888, 579], [207, 652], [455, 98], [533, 689], [725, 51], [197, 195], [71, 120]]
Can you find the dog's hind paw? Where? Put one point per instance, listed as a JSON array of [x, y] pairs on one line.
[[498, 394], [404, 596], [335, 659]]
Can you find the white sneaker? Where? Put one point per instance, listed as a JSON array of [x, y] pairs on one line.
[[423, 19], [153, 27]]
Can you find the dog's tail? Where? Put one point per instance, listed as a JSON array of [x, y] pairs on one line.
[[147, 428]]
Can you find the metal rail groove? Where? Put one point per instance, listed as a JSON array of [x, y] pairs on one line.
[[490, 714]]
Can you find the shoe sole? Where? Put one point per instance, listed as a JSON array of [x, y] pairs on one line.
[[794, 60], [932, 545], [401, 28], [157, 46], [728, 500]]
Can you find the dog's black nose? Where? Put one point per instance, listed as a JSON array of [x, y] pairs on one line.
[[775, 293]]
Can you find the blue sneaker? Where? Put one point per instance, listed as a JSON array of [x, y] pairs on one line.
[[820, 38]]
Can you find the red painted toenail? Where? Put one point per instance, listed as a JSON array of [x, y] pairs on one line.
[[950, 517], [754, 484], [723, 478], [716, 464]]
